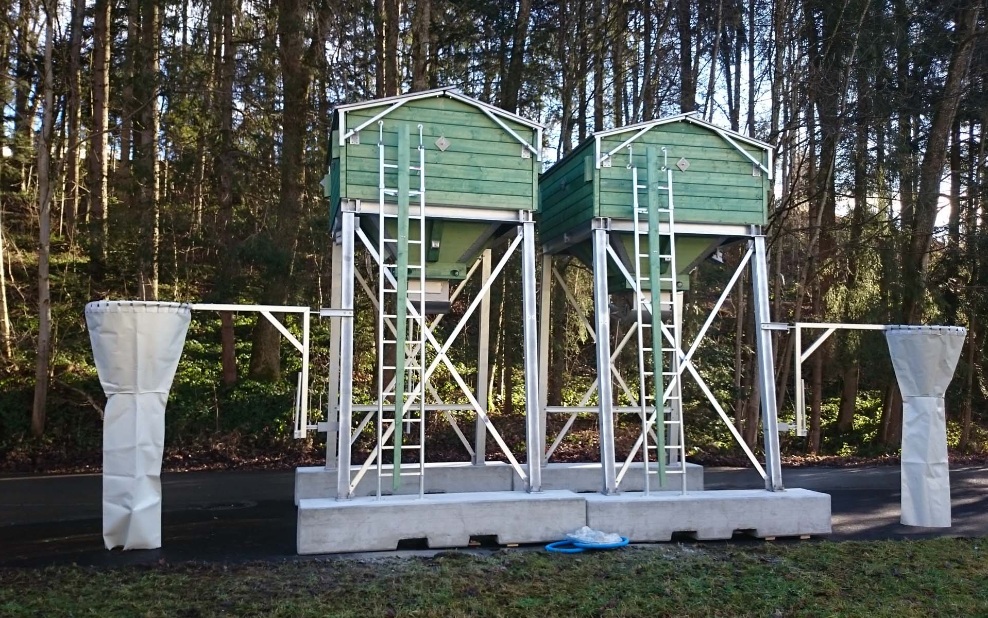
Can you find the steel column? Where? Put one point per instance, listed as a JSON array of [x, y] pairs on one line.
[[602, 319], [545, 315], [333, 389], [346, 359], [533, 441], [483, 361], [766, 365]]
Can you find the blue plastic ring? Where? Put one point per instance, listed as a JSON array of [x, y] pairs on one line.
[[564, 547], [623, 542]]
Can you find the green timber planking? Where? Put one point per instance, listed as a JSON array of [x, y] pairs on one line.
[[718, 187], [483, 165], [567, 196]]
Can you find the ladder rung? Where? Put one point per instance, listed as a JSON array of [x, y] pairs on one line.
[[390, 165]]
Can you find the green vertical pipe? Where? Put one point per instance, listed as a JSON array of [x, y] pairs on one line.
[[655, 274], [401, 280]]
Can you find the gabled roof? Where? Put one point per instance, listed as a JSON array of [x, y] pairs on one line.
[[453, 93], [691, 118], [496, 114], [641, 128]]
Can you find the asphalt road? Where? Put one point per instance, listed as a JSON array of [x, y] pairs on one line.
[[235, 516]]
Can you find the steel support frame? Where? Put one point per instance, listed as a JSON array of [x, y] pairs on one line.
[[301, 420], [332, 394], [756, 257], [765, 360], [525, 241], [800, 356]]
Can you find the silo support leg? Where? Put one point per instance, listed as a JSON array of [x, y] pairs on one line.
[[602, 323], [333, 392], [531, 356], [766, 365], [483, 361], [346, 359], [545, 315]]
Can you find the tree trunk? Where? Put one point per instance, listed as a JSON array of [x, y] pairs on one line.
[[392, 78], [225, 164], [144, 192], [618, 28], [751, 66], [917, 258], [584, 65], [228, 354], [265, 362], [42, 367], [25, 76], [708, 103], [6, 334], [687, 93], [600, 21], [421, 23], [97, 157], [72, 111], [130, 70], [380, 66], [848, 395], [516, 64], [970, 368]]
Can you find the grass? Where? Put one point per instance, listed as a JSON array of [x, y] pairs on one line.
[[938, 577]]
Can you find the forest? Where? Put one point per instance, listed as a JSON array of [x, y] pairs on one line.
[[173, 150]]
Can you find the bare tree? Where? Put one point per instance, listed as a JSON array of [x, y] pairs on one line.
[[97, 158], [421, 23], [45, 184]]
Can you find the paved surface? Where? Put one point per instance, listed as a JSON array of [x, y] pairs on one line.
[[239, 516]]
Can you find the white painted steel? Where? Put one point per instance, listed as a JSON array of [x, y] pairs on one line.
[[602, 318], [442, 349], [766, 365], [483, 361], [301, 417], [531, 359], [333, 385], [346, 359], [800, 356], [545, 315]]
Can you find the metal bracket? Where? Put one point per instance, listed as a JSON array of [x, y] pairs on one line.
[[775, 326], [327, 312]]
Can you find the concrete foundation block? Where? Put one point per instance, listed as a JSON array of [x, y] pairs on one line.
[[453, 477], [587, 477], [444, 520], [710, 515]]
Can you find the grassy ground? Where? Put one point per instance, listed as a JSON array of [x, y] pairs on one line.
[[940, 577]]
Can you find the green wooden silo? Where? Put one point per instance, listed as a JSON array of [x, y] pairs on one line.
[[720, 184], [425, 183], [482, 166], [642, 205]]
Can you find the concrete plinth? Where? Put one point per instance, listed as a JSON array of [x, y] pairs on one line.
[[710, 515], [460, 477], [444, 520], [587, 477], [440, 478]]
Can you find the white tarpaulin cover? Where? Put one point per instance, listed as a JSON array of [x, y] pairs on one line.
[[924, 358], [136, 346]]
